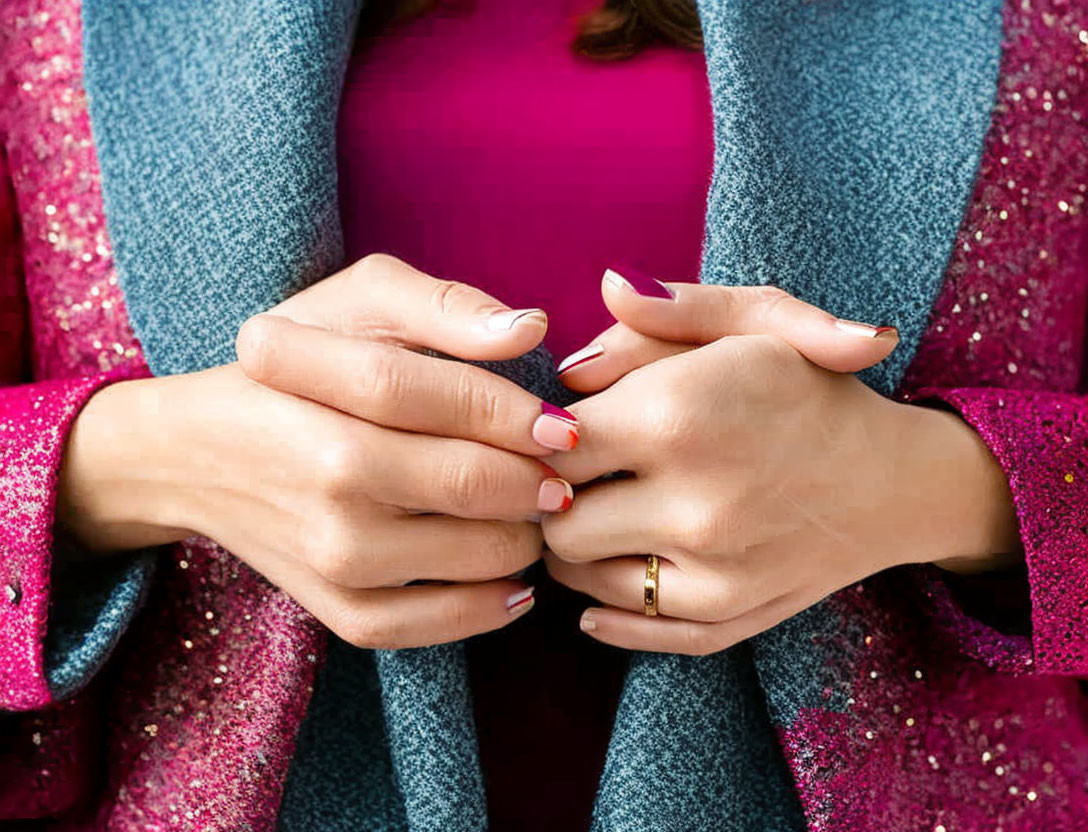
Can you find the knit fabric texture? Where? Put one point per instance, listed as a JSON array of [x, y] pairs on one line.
[[841, 173]]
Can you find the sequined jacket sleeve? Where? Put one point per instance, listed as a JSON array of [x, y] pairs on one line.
[[1041, 441], [34, 422]]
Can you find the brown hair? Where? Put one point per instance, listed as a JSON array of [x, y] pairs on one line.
[[618, 29]]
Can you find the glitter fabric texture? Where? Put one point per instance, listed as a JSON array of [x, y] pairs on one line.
[[218, 673], [949, 724], [931, 741], [81, 339]]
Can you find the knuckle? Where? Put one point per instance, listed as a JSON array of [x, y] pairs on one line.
[[375, 264], [447, 295], [667, 419], [368, 628], [453, 614], [328, 552], [701, 528], [697, 639], [769, 296], [379, 378], [477, 404], [509, 547], [336, 470], [560, 543], [253, 345], [719, 603], [467, 482]]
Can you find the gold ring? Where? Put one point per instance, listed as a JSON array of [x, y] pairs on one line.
[[649, 592]]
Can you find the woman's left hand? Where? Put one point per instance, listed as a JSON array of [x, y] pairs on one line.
[[762, 481]]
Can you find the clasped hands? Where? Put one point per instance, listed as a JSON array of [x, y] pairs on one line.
[[758, 467]]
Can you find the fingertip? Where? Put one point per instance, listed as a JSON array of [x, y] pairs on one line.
[[520, 602], [519, 320], [503, 334]]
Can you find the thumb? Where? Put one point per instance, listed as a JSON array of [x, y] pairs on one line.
[[698, 313], [382, 298]]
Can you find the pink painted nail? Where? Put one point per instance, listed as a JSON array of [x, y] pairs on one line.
[[520, 602], [639, 282], [867, 330], [555, 428], [507, 319], [577, 359], [555, 495]]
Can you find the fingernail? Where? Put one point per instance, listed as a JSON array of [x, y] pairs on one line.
[[587, 622], [867, 330], [555, 495], [520, 602], [555, 428], [638, 282], [576, 359], [507, 319]]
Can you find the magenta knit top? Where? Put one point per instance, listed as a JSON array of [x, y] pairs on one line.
[[956, 721], [477, 146]]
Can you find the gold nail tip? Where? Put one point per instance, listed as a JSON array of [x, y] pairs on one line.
[[587, 622]]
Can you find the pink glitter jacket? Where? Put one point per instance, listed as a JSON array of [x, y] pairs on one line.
[[951, 725]]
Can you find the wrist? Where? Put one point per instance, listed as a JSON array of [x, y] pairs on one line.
[[963, 504], [117, 488]]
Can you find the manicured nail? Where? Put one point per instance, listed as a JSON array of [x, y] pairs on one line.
[[577, 359], [507, 319], [867, 330], [520, 602], [587, 622], [555, 495], [639, 282], [555, 428]]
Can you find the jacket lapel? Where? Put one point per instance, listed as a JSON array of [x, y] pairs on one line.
[[847, 135]]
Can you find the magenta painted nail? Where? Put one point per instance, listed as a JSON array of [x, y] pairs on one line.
[[580, 357], [639, 282], [555, 428]]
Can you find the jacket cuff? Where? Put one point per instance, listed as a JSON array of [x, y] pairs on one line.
[[1040, 439], [35, 420]]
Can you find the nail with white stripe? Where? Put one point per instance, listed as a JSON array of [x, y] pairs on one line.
[[576, 359]]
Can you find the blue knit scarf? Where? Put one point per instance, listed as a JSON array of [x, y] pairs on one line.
[[847, 136]]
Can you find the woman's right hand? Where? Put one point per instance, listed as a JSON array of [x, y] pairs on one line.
[[340, 462]]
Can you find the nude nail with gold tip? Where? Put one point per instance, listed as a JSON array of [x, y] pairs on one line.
[[507, 319], [580, 357], [555, 428], [587, 622], [521, 601]]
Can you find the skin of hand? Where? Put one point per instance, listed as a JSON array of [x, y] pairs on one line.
[[762, 481], [339, 459]]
